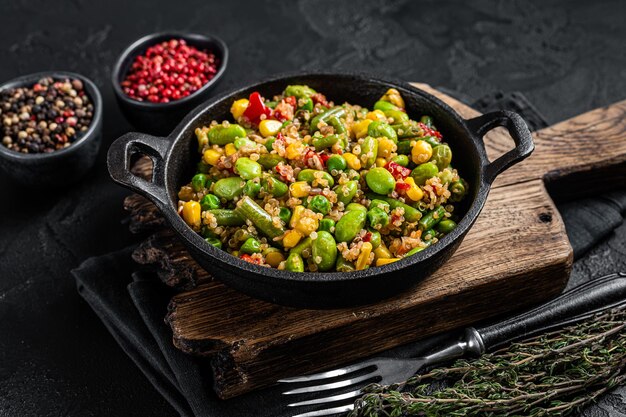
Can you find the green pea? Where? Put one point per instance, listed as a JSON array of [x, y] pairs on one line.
[[369, 150], [430, 219], [442, 156], [356, 206], [397, 116], [198, 182], [346, 192], [247, 168], [323, 142], [307, 104], [377, 218], [350, 224], [210, 201], [313, 177], [299, 91], [379, 129], [423, 172], [252, 188], [220, 135], [446, 226], [229, 188], [385, 106], [241, 142], [327, 225], [402, 160], [294, 263], [269, 142], [284, 214], [225, 217], [375, 238], [270, 160], [214, 242], [275, 187], [343, 266], [427, 120], [380, 180], [380, 204], [250, 246], [458, 190], [324, 251], [320, 204], [336, 163]]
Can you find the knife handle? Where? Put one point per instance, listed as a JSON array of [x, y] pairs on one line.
[[574, 305]]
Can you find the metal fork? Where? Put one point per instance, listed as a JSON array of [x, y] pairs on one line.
[[574, 305]]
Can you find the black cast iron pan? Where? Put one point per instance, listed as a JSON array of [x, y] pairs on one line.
[[175, 158]]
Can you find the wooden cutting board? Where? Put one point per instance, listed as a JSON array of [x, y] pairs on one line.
[[516, 255]]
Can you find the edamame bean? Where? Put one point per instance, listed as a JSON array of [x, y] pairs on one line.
[[430, 219], [342, 265], [442, 156], [327, 225], [324, 251], [247, 168], [369, 150], [380, 180], [377, 218], [247, 208], [380, 204], [320, 204], [252, 188], [375, 238], [220, 135], [299, 91], [385, 106], [243, 142], [274, 186], [323, 142], [225, 217], [336, 163], [294, 263], [346, 192], [316, 178], [198, 182], [270, 160], [446, 226], [397, 116], [350, 225], [379, 129], [402, 160], [424, 171], [209, 201], [229, 188], [355, 206], [250, 246]]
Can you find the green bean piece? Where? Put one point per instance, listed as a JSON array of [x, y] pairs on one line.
[[274, 186], [442, 156], [402, 160], [355, 206], [342, 265], [385, 106], [369, 150], [241, 235], [225, 217], [404, 147], [327, 225], [346, 192], [303, 248], [307, 104], [316, 178], [248, 209], [285, 214], [241, 142], [410, 213], [397, 116], [377, 218], [294, 263], [350, 224], [334, 112], [299, 91], [252, 188], [424, 171], [213, 241], [408, 129], [446, 226], [323, 142], [336, 164], [380, 204], [270, 160], [415, 250], [458, 190], [208, 232], [430, 219], [220, 135], [324, 251], [250, 246], [269, 142], [379, 129], [209, 202], [380, 180], [337, 124], [427, 120], [431, 140], [429, 235], [198, 182], [229, 188], [320, 204], [247, 168], [375, 238]]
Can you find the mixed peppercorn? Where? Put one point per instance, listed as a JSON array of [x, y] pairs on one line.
[[300, 184], [47, 116], [169, 71]]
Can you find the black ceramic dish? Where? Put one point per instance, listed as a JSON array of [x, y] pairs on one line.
[[64, 166], [161, 118], [176, 156]]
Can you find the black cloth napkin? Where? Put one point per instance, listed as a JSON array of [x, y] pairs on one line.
[[132, 304]]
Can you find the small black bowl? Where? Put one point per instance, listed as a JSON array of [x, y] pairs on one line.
[[62, 167], [161, 118]]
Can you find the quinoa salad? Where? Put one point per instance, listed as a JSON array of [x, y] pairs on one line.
[[299, 183]]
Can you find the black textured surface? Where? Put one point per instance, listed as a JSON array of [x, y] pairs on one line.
[[56, 358]]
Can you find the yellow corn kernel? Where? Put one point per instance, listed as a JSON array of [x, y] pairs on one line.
[[211, 156], [230, 149], [296, 215], [386, 147], [191, 213], [421, 152], [376, 115], [238, 107], [360, 128], [415, 193], [385, 261], [382, 252], [269, 127], [393, 96], [381, 162], [294, 151], [291, 239], [299, 189], [307, 225], [352, 161], [274, 259], [364, 257]]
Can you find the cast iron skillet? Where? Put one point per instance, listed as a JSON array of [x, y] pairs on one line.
[[176, 156]]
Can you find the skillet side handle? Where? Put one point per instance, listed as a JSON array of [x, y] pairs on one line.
[[517, 129], [119, 158]]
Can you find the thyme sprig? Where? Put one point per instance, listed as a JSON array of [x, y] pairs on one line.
[[553, 374]]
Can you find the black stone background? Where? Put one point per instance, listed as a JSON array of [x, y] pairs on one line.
[[56, 359]]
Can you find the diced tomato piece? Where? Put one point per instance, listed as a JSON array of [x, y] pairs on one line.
[[319, 98], [398, 171], [367, 237]]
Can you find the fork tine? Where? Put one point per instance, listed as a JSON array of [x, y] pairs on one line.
[[348, 395], [328, 374], [332, 385], [327, 412]]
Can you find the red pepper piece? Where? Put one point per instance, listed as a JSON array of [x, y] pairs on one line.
[[402, 187], [325, 157], [398, 171], [250, 259], [367, 237], [429, 131], [291, 100], [319, 98], [256, 108]]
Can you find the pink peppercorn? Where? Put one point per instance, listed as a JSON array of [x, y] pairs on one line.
[[169, 71]]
